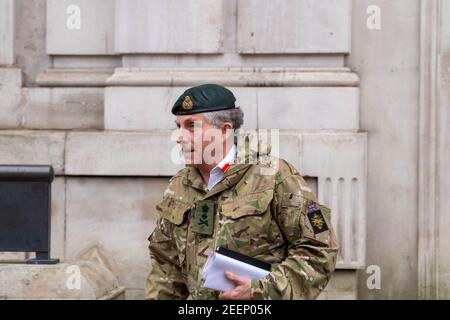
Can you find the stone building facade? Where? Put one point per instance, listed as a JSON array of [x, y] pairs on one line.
[[358, 89]]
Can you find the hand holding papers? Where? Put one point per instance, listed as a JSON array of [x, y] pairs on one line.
[[226, 260]]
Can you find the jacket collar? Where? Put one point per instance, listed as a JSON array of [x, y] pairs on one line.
[[233, 175], [245, 157]]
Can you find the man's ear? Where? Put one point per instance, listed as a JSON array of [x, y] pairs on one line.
[[226, 126], [227, 129]]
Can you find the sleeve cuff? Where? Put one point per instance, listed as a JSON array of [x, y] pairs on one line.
[[257, 290]]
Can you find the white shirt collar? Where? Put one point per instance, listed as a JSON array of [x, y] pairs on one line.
[[216, 173], [229, 158]]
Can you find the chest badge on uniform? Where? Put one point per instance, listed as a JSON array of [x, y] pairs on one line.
[[316, 219], [204, 218]]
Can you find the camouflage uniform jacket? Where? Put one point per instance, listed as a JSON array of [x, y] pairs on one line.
[[260, 212]]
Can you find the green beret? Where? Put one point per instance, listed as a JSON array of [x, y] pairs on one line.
[[204, 98]]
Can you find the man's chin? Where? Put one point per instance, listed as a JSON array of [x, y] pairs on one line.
[[190, 162], [191, 165], [190, 159]]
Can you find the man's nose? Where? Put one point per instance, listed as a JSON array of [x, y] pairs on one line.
[[179, 136]]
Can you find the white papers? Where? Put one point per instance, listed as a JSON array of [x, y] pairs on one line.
[[216, 265]]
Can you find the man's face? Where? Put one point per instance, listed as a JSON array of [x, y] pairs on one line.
[[201, 142]]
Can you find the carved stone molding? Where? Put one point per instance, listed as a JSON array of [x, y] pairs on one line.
[[428, 250]]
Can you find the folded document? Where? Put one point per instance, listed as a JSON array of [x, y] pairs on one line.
[[223, 260]]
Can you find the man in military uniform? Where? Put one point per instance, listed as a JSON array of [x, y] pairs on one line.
[[264, 210]]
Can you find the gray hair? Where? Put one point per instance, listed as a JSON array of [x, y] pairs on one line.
[[217, 118]]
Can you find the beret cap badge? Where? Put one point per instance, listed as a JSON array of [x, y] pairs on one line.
[[187, 103]]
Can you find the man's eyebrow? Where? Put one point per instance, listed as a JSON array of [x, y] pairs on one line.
[[185, 120]]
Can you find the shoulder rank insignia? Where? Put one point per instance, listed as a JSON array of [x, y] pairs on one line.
[[316, 218], [187, 103]]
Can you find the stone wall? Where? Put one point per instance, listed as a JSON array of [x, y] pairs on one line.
[[87, 87]]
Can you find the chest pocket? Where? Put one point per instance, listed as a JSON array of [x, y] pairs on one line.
[[175, 211], [245, 227], [247, 205]]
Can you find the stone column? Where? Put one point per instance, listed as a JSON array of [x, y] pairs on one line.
[[7, 32], [10, 77], [434, 151]]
